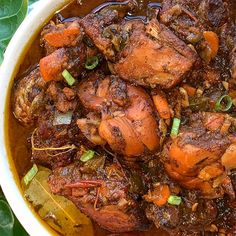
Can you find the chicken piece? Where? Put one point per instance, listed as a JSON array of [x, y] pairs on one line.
[[89, 127], [63, 99], [127, 122], [180, 16], [153, 56], [213, 12], [189, 19], [193, 158], [233, 64], [92, 25], [72, 59], [183, 219], [29, 97], [68, 34], [147, 55], [100, 190], [95, 24], [53, 145], [191, 215]]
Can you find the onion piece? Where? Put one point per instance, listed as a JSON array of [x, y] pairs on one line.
[[62, 118]]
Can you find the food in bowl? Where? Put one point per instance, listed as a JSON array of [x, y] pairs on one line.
[[127, 110]]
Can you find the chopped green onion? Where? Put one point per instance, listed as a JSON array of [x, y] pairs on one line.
[[30, 175], [175, 127], [68, 77], [224, 103], [87, 156], [174, 200], [91, 63]]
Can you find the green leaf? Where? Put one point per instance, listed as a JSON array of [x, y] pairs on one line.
[[60, 213], [6, 219], [12, 13], [9, 8], [32, 1], [9, 25], [3, 46], [1, 56], [18, 229], [4, 43]]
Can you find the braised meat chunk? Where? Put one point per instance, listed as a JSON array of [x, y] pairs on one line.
[[127, 121], [64, 99], [97, 26], [101, 191], [72, 59], [29, 97], [52, 145], [154, 56], [181, 220], [197, 157]]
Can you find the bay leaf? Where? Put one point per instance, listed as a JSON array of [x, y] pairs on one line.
[[60, 213]]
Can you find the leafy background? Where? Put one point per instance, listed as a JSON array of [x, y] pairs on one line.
[[12, 13]]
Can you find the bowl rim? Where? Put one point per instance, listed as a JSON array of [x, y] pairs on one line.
[[16, 50]]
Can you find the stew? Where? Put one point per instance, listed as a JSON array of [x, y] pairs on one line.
[[128, 110]]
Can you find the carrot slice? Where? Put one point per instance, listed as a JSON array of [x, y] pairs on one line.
[[228, 160], [210, 172], [212, 41], [189, 89], [162, 106], [64, 37], [52, 65], [159, 196]]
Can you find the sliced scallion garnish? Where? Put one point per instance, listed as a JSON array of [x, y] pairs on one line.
[[224, 103], [87, 156], [174, 200], [68, 77], [30, 174], [175, 127], [91, 63]]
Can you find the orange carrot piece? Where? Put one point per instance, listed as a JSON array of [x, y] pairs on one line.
[[52, 65], [228, 160], [162, 106], [159, 196], [191, 91], [212, 41], [65, 37], [210, 172]]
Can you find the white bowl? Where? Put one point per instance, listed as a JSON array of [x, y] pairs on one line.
[[16, 50]]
